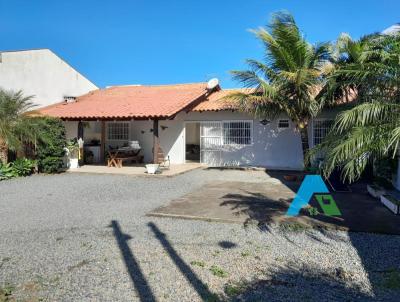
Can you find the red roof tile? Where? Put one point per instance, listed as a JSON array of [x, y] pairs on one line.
[[122, 102], [218, 101]]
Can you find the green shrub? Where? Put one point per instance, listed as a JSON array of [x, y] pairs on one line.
[[50, 149], [217, 271], [6, 171], [20, 167], [23, 166]]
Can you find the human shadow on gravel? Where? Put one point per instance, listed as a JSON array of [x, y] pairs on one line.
[[379, 256], [201, 288], [305, 283], [138, 279]]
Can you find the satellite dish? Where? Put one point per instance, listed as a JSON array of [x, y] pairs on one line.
[[211, 84]]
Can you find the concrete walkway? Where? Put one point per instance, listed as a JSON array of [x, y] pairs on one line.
[[137, 170], [266, 204]]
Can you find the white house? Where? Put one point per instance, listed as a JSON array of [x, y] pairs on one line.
[[189, 122], [43, 74]]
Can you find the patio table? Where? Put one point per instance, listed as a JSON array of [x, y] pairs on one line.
[[116, 157]]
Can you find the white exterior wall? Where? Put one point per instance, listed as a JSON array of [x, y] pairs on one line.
[[272, 147], [43, 74]]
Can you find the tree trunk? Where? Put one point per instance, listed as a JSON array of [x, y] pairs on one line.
[[304, 143], [3, 152]]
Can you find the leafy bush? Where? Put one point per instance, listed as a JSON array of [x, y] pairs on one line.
[[23, 166], [50, 149], [20, 167], [6, 171]]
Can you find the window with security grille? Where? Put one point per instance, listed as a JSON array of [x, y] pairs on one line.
[[118, 131], [238, 133], [321, 129]]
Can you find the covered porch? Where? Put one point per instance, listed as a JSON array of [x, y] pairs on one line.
[[103, 139], [130, 117]]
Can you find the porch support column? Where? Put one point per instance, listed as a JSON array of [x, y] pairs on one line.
[[156, 141], [103, 142]]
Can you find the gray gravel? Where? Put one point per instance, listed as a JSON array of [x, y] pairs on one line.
[[72, 237]]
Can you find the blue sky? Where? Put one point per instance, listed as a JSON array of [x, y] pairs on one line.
[[161, 42]]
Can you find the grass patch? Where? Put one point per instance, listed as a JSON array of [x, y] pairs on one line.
[[293, 227], [234, 289], [212, 298], [392, 279], [245, 253], [6, 293], [219, 272], [198, 263]]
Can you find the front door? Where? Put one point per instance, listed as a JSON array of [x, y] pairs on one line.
[[211, 143]]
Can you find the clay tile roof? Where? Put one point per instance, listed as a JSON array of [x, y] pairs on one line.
[[218, 101], [121, 102]]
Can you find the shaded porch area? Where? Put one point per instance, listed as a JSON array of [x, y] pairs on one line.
[[137, 170]]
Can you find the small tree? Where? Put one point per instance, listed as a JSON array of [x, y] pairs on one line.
[[370, 131], [50, 146], [16, 126], [289, 79]]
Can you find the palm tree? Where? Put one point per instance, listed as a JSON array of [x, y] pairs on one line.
[[289, 79], [371, 129], [16, 127]]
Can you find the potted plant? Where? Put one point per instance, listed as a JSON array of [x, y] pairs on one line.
[[73, 154], [391, 202], [152, 168]]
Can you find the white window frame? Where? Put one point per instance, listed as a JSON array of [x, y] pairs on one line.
[[237, 121], [125, 124], [324, 129]]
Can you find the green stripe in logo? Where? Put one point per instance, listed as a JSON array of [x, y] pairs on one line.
[[328, 205]]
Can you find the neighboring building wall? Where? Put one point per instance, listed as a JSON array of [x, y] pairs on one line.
[[43, 74]]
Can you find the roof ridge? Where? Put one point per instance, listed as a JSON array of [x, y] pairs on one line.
[[25, 49], [156, 85]]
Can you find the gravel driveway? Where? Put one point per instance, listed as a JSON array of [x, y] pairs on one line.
[[79, 237]]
